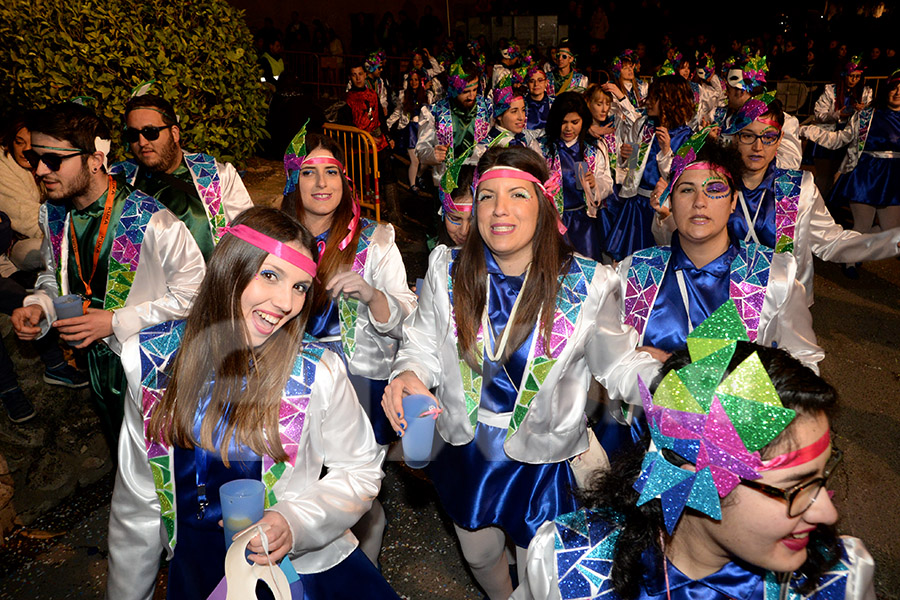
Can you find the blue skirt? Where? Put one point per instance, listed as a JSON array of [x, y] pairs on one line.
[[626, 223], [409, 135], [584, 232], [480, 486], [874, 181]]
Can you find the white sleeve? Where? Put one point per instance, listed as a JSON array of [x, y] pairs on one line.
[[235, 197], [135, 541], [832, 139], [861, 579], [540, 581], [626, 111], [602, 175], [319, 513], [167, 241], [824, 107], [45, 287], [389, 277], [395, 116], [427, 137], [789, 152]]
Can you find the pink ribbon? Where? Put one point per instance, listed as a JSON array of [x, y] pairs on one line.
[[514, 173], [272, 246], [432, 412], [798, 457]]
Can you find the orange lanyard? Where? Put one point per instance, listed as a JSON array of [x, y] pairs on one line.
[[101, 235]]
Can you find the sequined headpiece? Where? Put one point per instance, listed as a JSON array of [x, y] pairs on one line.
[[616, 65], [706, 66], [504, 95], [511, 51], [456, 79], [751, 110], [717, 425], [667, 68], [686, 156], [374, 61], [854, 64], [750, 76]]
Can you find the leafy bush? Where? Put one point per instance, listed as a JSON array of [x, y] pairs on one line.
[[199, 52]]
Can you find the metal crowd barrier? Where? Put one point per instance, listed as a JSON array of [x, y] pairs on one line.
[[361, 158]]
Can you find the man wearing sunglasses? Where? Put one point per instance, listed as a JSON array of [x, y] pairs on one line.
[[133, 263], [565, 78], [745, 81], [204, 193], [782, 208]]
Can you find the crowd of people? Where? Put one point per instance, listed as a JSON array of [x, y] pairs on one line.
[[649, 241]]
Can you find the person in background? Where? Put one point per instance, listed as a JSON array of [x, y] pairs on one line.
[[413, 98], [537, 101], [20, 200], [564, 78]]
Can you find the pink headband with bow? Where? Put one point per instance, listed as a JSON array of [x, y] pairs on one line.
[[549, 187]]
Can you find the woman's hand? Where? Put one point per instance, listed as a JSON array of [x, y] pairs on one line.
[[625, 151], [611, 88], [440, 153], [279, 536], [351, 284], [405, 384], [661, 211], [664, 140], [598, 131], [588, 181]]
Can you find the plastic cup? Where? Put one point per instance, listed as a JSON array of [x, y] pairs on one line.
[[243, 501], [419, 434], [67, 307]]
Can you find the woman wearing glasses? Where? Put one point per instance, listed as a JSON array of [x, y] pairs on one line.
[[713, 504], [537, 101]]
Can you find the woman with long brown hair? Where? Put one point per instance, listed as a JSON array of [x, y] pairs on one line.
[[233, 393], [508, 331], [653, 141], [359, 308]]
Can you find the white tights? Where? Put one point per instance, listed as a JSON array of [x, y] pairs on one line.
[[485, 553], [369, 530], [413, 166], [864, 217]]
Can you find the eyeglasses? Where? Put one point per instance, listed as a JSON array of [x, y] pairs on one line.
[[52, 160], [149, 132], [800, 497], [537, 80], [767, 137]]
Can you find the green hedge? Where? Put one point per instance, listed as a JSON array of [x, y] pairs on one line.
[[199, 52]]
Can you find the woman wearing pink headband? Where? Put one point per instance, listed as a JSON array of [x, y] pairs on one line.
[[508, 331], [233, 393], [700, 510], [363, 298]]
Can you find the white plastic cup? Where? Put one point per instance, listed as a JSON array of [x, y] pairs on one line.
[[419, 434], [243, 504]]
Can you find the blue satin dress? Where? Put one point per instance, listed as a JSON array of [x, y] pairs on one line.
[[707, 289], [327, 324], [765, 222], [875, 181], [536, 112], [198, 564], [478, 484], [627, 222], [583, 231]]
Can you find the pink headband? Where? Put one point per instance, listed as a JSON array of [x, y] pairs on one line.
[[272, 246], [707, 166], [354, 222], [798, 457], [769, 122], [513, 173]]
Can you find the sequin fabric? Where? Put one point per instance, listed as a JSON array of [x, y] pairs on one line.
[[125, 253], [348, 308], [158, 345], [129, 168], [833, 584], [647, 134], [551, 155], [584, 548], [573, 292], [56, 223], [787, 205], [642, 284], [865, 119], [205, 174]]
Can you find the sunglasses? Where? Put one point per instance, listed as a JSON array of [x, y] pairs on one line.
[[149, 132], [52, 160]]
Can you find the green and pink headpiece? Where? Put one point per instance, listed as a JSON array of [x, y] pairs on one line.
[[627, 55], [718, 425], [504, 95]]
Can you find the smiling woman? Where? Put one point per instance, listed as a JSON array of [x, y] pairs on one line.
[[207, 405]]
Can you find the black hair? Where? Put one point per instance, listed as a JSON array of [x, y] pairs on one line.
[[775, 111], [727, 157], [152, 101], [12, 124], [612, 496], [71, 122], [565, 103], [464, 182]]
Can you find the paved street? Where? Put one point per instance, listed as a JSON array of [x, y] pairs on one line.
[[858, 324]]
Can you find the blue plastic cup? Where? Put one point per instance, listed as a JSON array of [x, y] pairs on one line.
[[68, 307], [419, 434], [243, 503]]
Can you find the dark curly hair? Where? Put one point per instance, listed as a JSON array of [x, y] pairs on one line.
[[676, 100], [565, 103], [612, 496]]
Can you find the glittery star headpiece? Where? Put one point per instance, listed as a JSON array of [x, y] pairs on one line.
[[717, 425], [511, 51], [504, 95], [374, 61], [853, 65], [687, 155], [456, 79], [706, 66], [667, 68], [616, 65], [751, 110], [750, 75]]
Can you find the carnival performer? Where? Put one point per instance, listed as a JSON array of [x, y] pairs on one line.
[[726, 499], [364, 298], [746, 79], [363, 101], [204, 193], [232, 393], [870, 173], [456, 207], [510, 56], [432, 69], [627, 219], [625, 78], [712, 94], [508, 330], [669, 290], [579, 170], [565, 78], [406, 116], [131, 260], [456, 123], [509, 120], [374, 67], [782, 209], [537, 101], [605, 127], [833, 110]]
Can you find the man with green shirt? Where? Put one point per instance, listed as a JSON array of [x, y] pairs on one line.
[[204, 193], [133, 263]]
